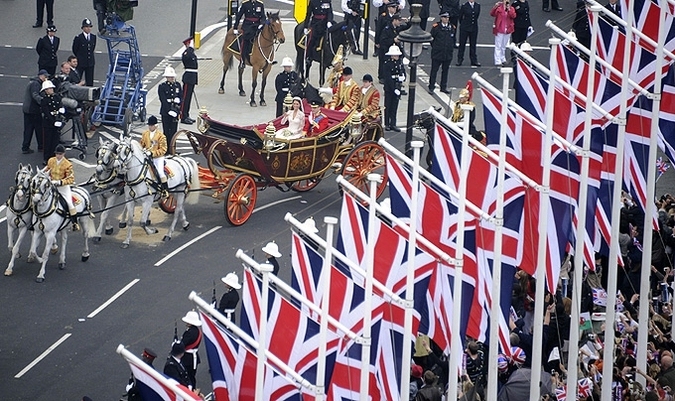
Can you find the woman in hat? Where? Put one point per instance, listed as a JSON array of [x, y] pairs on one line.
[[61, 173], [271, 254], [170, 97], [154, 144], [284, 82], [192, 337], [46, 48], [295, 118], [230, 299]]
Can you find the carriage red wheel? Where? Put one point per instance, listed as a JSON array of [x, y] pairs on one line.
[[168, 204], [366, 158], [305, 185], [240, 200]]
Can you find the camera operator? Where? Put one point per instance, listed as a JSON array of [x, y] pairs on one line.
[[353, 10]]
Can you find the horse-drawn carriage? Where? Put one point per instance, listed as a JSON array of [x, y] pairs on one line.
[[243, 159]]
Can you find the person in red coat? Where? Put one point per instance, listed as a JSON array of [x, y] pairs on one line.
[[317, 122], [502, 28]]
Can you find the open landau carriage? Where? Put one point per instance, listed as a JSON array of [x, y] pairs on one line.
[[243, 159]]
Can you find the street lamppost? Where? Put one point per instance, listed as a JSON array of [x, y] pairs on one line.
[[412, 39]]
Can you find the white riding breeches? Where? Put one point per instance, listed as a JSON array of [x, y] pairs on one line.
[[159, 165], [64, 190]]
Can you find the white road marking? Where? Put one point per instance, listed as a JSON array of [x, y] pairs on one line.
[[113, 298], [174, 253], [43, 355], [276, 203]]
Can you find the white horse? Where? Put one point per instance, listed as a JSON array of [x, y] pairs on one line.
[[142, 185], [19, 213], [51, 217], [110, 186]]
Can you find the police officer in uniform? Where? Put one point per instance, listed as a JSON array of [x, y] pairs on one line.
[[253, 12], [468, 29], [53, 115], [230, 299], [383, 19], [46, 48], [189, 79], [192, 337], [388, 38], [352, 11], [283, 83], [170, 97], [394, 75], [522, 21], [84, 45], [174, 369], [319, 18], [441, 51]]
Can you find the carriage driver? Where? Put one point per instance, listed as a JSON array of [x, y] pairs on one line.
[[61, 173], [254, 15], [319, 18], [153, 143]]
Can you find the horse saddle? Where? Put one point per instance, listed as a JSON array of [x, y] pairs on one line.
[[76, 199]]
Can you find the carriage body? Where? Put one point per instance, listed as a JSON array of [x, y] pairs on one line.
[[242, 159]]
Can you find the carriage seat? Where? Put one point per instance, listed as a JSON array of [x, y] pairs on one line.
[[335, 117]]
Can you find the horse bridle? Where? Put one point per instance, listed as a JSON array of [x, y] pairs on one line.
[[37, 188], [123, 157], [106, 166], [22, 176]]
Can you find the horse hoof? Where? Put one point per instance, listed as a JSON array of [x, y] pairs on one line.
[[242, 93], [123, 225], [62, 266], [253, 104], [31, 259], [40, 280], [147, 222], [96, 239], [221, 91], [108, 231], [8, 273], [186, 227], [54, 250], [124, 246], [85, 258], [263, 103], [166, 238]]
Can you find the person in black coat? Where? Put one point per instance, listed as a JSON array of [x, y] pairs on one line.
[[468, 29], [388, 38], [615, 8], [424, 13], [283, 83], [192, 337], [353, 15], [133, 393], [101, 8], [441, 51], [170, 97], [387, 11], [319, 18], [52, 118], [32, 114], [581, 26], [253, 12], [393, 73], [190, 65], [230, 299], [554, 3], [451, 7], [41, 5], [271, 251], [46, 48], [84, 46], [174, 369], [522, 21]]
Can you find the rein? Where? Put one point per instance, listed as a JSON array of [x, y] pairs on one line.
[[269, 58]]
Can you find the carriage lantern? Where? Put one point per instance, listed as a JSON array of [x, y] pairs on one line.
[[269, 137], [288, 102], [355, 127]]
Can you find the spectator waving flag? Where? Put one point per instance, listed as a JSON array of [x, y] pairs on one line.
[[585, 388], [661, 167], [561, 393]]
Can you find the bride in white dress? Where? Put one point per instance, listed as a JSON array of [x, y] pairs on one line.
[[295, 118]]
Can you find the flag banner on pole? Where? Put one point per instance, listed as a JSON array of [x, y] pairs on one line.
[[154, 389], [661, 167], [647, 19]]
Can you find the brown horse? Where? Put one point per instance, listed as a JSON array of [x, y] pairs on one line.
[[262, 56]]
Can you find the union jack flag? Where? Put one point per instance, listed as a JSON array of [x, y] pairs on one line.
[[647, 19], [667, 115], [585, 387], [661, 167], [152, 389], [561, 393]]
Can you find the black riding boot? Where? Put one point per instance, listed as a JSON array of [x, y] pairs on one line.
[[73, 219]]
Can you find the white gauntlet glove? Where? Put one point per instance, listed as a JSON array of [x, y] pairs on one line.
[[236, 32]]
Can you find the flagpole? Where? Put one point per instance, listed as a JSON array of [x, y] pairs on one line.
[[610, 314], [495, 296], [647, 233], [278, 363], [368, 259], [456, 341], [265, 269], [410, 274], [133, 359], [325, 302], [541, 272]]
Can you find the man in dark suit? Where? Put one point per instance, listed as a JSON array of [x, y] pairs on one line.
[[468, 29], [441, 51], [189, 59], [615, 8], [84, 45], [41, 4], [174, 369], [46, 48]]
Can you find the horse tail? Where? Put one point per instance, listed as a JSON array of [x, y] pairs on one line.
[[193, 194]]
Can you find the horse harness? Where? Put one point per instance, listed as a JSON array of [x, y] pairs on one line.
[[58, 199], [20, 179], [269, 57]]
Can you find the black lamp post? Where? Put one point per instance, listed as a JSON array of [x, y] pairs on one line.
[[412, 39]]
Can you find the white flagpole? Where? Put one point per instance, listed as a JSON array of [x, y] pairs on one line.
[[325, 303], [650, 208], [541, 272], [457, 347], [368, 296], [572, 371], [610, 315], [495, 307], [133, 359], [410, 274], [265, 269]]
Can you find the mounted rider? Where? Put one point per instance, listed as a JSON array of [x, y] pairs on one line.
[[319, 19], [253, 12], [60, 171], [153, 143]]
